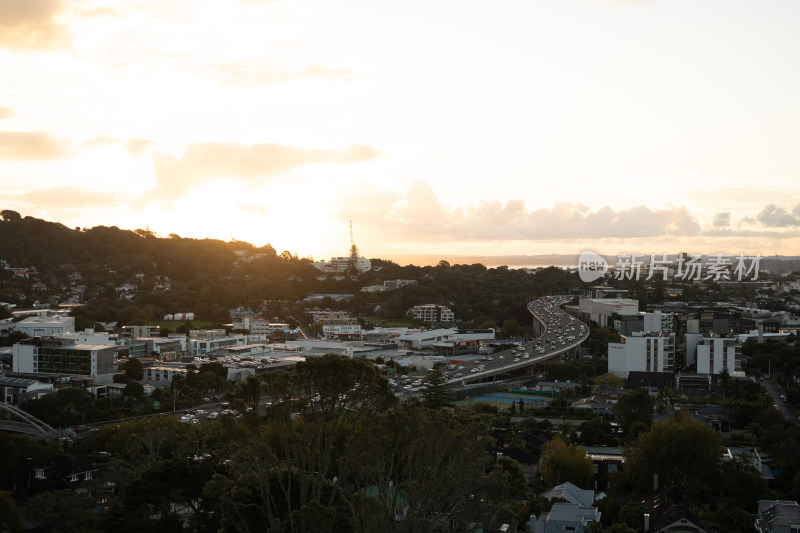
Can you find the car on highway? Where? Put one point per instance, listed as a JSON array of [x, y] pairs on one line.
[[212, 415]]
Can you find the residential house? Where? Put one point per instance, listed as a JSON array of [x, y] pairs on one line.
[[565, 517]]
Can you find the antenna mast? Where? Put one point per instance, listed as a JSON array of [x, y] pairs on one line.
[[351, 235]]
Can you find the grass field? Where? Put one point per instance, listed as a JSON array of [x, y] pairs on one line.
[[391, 322]]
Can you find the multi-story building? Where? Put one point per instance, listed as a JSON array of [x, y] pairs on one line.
[[337, 265], [56, 355], [642, 352], [135, 332], [717, 353], [432, 313], [207, 345], [658, 321], [342, 328]]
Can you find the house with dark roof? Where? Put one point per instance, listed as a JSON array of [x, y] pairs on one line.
[[16, 390], [668, 512]]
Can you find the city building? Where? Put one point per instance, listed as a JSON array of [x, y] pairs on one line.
[[341, 328], [56, 355], [204, 345], [135, 332], [717, 353], [432, 313], [424, 339], [778, 516], [601, 310], [337, 265], [642, 352], [40, 326], [658, 321], [16, 390]]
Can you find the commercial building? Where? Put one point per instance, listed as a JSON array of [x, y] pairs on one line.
[[40, 326], [640, 352], [56, 355], [601, 310], [200, 346], [341, 328]]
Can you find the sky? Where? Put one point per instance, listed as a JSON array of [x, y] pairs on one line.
[[512, 127]]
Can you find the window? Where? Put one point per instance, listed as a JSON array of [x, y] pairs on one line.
[[39, 473], [612, 467]]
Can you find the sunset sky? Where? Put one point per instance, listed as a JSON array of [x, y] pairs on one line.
[[442, 127]]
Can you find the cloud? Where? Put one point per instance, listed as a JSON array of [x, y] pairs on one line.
[[6, 112], [205, 162], [31, 24], [775, 216], [69, 198], [27, 145], [419, 215], [721, 219], [249, 74], [136, 147]]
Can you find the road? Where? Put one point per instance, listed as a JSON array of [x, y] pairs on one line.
[[561, 333], [783, 407]]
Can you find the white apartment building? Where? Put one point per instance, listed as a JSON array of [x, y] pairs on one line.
[[642, 353], [337, 265], [432, 313], [716, 353]]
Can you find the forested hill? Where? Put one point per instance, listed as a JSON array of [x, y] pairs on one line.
[[210, 277], [30, 241]]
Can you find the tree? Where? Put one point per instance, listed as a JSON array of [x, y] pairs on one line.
[[634, 406], [435, 394], [10, 518], [680, 451], [562, 462], [10, 216], [134, 389], [506, 481], [249, 391], [133, 369], [608, 378]]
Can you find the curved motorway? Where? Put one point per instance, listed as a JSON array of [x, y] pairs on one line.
[[561, 332]]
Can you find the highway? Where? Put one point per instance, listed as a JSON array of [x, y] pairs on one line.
[[560, 333]]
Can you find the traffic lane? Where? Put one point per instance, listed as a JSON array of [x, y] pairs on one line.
[[787, 411]]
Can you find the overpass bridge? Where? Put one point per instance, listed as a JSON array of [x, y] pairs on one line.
[[559, 334], [18, 421]]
